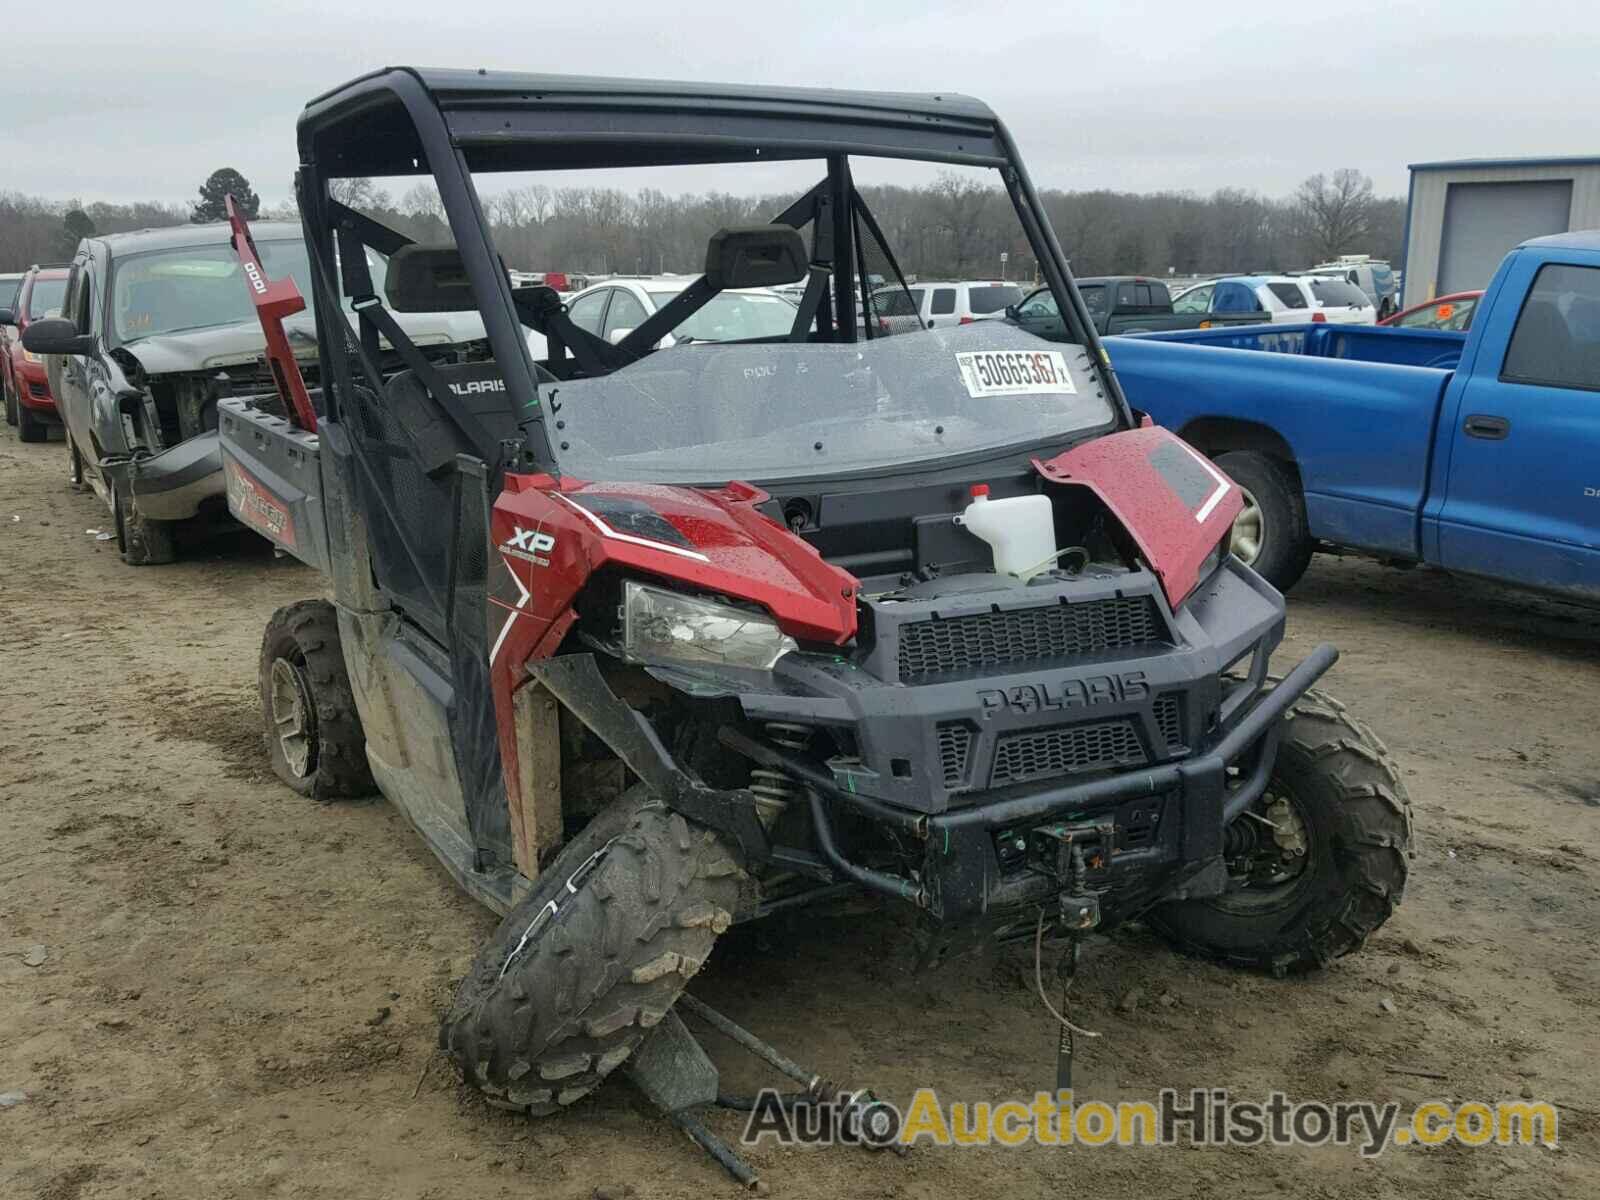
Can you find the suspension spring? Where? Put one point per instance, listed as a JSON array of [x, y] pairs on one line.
[[774, 790]]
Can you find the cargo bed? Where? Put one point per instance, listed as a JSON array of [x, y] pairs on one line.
[[273, 477]]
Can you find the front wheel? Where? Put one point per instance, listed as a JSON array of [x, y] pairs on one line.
[[313, 731], [1269, 534], [1318, 863], [144, 542], [592, 958]]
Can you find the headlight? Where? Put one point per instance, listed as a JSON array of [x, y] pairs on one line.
[[663, 626]]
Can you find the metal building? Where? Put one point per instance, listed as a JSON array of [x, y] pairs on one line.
[[1463, 216]]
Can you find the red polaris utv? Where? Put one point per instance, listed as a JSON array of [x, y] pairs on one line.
[[646, 641]]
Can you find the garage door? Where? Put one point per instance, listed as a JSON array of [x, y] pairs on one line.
[[1482, 221]]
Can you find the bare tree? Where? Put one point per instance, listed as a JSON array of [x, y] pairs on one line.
[[957, 205], [953, 227], [1335, 213], [422, 201], [358, 192]]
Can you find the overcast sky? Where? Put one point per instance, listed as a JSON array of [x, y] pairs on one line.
[[141, 99]]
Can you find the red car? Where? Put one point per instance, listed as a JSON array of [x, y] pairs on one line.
[[1452, 312], [29, 404]]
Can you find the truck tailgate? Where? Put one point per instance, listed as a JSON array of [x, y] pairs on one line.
[[1360, 343], [274, 479]]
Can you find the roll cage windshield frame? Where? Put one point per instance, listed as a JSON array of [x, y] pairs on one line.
[[452, 123]]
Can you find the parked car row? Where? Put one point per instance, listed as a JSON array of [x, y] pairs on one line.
[[1279, 298], [1117, 304], [615, 308], [30, 404]]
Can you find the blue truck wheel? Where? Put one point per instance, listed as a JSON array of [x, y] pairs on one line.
[[1270, 535]]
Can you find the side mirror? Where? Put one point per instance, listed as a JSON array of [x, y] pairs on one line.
[[1013, 311], [616, 335], [7, 317], [755, 256], [56, 335]]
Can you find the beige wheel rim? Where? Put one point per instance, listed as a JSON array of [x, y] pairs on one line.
[[1249, 530]]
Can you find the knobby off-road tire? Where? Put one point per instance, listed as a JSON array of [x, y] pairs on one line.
[[1283, 547], [142, 541], [640, 896], [1357, 819], [313, 731]]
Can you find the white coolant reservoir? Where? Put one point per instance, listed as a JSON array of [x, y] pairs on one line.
[[1020, 529]]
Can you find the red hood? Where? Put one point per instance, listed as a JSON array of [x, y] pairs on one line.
[[1174, 503]]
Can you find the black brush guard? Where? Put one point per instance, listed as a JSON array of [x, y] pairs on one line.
[[964, 872]]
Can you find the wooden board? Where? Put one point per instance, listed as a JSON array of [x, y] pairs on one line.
[[536, 818]]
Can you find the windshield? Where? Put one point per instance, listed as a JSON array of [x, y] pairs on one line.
[[200, 287], [786, 410], [733, 317], [992, 299], [1333, 293], [892, 302], [45, 297]]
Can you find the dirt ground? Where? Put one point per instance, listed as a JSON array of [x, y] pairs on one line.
[[241, 988]]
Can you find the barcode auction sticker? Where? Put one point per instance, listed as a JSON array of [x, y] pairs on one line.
[[1014, 372]]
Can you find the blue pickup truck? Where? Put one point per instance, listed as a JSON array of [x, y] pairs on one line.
[[1477, 452]]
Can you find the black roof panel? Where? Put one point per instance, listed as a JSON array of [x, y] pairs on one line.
[[505, 120]]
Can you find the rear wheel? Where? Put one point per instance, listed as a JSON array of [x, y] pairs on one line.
[[1269, 534], [313, 732], [143, 542], [592, 958], [1318, 863]]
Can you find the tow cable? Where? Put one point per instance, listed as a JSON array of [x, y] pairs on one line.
[[1066, 969]]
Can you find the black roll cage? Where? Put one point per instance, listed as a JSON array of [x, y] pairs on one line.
[[447, 123]]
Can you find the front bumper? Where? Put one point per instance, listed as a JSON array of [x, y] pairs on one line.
[[1129, 756], [1105, 847], [33, 389], [172, 485]]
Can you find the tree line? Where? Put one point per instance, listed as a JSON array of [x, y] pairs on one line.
[[953, 227]]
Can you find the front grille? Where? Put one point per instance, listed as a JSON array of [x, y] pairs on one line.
[[254, 379], [40, 391], [955, 745], [958, 645], [1065, 750], [1169, 718]]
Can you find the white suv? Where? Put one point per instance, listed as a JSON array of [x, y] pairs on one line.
[[1281, 299], [938, 304]]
